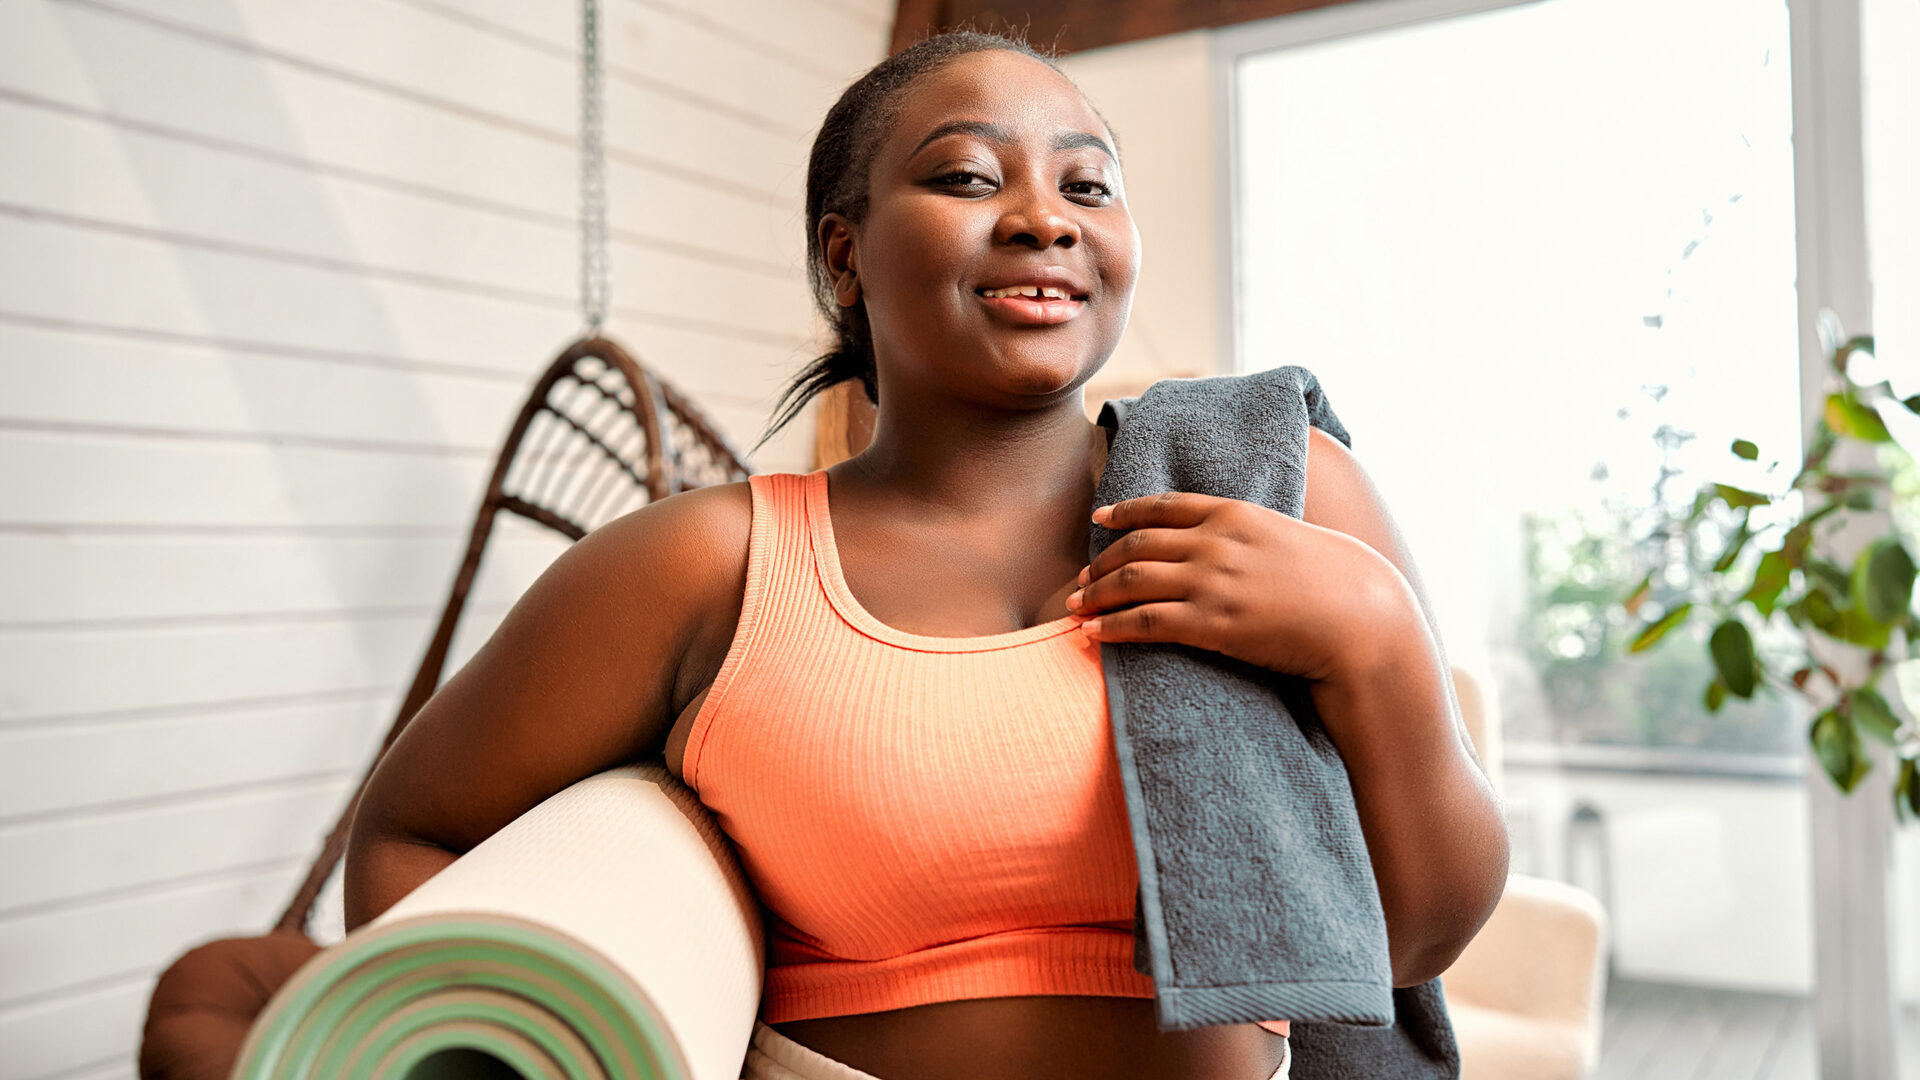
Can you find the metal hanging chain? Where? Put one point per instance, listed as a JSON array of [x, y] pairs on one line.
[[595, 284]]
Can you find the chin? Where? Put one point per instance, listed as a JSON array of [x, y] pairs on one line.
[[1041, 377]]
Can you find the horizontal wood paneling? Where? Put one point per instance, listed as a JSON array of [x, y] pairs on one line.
[[814, 36], [56, 582], [434, 63], [459, 67], [230, 287], [62, 768], [656, 47], [91, 479], [103, 175], [273, 281], [92, 1035], [103, 64], [107, 381], [127, 936], [117, 851], [55, 370], [206, 666]]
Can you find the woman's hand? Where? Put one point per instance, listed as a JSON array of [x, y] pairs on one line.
[[1240, 579]]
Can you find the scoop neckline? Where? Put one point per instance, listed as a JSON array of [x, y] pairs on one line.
[[827, 556]]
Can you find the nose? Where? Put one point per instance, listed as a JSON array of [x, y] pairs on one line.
[[1037, 222]]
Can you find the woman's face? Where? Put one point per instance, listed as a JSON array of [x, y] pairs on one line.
[[997, 181]]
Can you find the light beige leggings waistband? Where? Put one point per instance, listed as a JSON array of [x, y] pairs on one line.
[[773, 1056]]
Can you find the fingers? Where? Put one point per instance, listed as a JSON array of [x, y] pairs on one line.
[[1132, 583], [1175, 509], [1171, 620], [1149, 584], [1145, 545]]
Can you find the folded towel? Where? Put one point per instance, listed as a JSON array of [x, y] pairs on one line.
[[1257, 899]]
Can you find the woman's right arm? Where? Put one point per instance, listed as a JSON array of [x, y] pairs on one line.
[[580, 677]]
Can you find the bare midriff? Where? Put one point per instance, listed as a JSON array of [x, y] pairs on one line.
[[1038, 1038]]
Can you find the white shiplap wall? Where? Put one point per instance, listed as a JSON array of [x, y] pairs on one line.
[[273, 277]]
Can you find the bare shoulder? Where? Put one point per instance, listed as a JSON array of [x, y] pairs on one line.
[[581, 675], [1340, 494], [1343, 497], [689, 554], [700, 535]]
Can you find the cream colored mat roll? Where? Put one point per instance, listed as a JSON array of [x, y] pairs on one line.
[[608, 932]]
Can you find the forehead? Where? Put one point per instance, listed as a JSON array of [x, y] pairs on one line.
[[1004, 87]]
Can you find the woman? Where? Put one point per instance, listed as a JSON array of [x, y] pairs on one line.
[[884, 676]]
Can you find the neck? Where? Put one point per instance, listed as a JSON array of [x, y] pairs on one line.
[[959, 462]]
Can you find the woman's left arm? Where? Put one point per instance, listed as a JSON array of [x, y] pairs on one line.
[[1223, 574], [1433, 823]]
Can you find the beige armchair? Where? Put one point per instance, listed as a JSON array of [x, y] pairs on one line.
[[1526, 996]]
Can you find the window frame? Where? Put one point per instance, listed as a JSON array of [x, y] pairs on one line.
[[1855, 1003]]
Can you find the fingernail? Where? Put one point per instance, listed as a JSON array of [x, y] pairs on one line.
[[1100, 513], [1090, 627], [1073, 600], [1082, 579]]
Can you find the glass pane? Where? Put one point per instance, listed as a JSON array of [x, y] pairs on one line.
[[1890, 39], [1542, 260]]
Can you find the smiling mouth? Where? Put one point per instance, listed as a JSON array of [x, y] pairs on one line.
[[1029, 292], [1032, 305]]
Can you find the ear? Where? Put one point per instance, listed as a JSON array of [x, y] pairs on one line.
[[843, 264]]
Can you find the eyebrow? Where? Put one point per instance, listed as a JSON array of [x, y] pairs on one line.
[[1066, 140]]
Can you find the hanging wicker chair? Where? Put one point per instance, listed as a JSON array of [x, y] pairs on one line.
[[597, 437]]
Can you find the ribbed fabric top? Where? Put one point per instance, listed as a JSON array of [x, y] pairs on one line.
[[924, 818]]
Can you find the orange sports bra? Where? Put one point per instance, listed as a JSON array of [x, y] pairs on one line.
[[924, 818]]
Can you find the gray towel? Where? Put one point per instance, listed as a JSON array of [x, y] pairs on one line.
[[1257, 900]]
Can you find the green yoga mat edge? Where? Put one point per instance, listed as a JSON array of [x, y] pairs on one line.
[[293, 1036]]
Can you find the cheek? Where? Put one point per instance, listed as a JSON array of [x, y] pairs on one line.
[[1120, 257], [926, 247]]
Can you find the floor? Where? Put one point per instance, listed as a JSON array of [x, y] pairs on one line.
[[1660, 1031]]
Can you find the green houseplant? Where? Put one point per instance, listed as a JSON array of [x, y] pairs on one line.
[[1861, 605]]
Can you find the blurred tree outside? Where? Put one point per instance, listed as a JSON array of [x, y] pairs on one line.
[[1574, 632]]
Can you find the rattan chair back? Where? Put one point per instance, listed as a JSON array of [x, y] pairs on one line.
[[598, 436]]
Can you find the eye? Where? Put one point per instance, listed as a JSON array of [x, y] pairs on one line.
[[960, 178], [1091, 191]]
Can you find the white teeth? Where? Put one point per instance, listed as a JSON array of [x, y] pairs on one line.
[[1036, 291]]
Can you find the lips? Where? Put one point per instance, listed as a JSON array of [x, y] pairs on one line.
[[1046, 298]]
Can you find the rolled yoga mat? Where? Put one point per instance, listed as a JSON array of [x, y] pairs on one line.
[[607, 934]]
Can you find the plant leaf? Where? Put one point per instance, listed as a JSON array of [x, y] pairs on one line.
[[1744, 449], [1700, 503], [1651, 636], [1716, 696], [1821, 612], [1732, 649], [1639, 595], [1906, 790], [1883, 580], [1739, 497], [1874, 715], [1859, 628], [1855, 420], [1831, 577], [1734, 545], [1837, 745], [1769, 581]]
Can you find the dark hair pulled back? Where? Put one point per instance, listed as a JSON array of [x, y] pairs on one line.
[[837, 182]]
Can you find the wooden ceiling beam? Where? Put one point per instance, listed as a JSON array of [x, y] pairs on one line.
[[1073, 25]]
